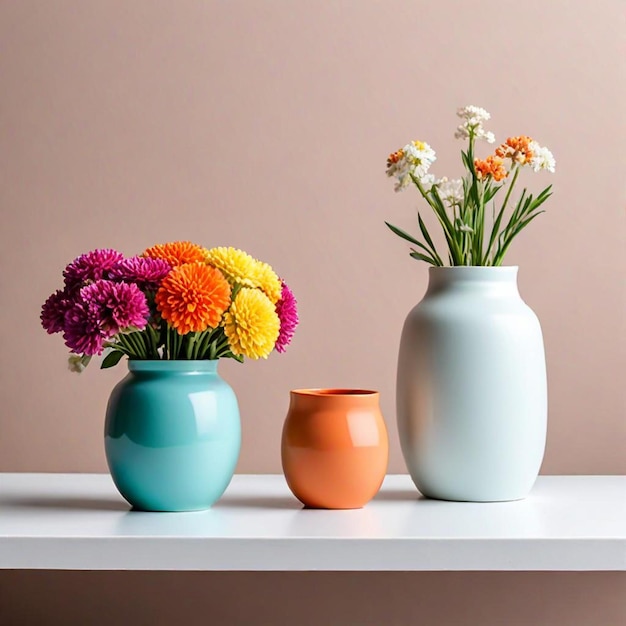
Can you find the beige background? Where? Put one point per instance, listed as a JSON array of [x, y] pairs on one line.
[[265, 125]]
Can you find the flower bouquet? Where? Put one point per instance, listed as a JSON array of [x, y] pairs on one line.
[[462, 205], [174, 301], [172, 428], [471, 388]]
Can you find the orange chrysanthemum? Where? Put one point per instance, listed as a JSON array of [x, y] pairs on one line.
[[193, 297], [517, 149], [492, 166], [176, 252]]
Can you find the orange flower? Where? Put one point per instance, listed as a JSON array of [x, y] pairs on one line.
[[491, 166], [517, 149], [176, 252], [394, 157], [193, 297]]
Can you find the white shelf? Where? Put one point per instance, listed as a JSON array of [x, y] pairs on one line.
[[79, 522]]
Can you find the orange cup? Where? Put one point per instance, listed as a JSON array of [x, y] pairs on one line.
[[334, 447]]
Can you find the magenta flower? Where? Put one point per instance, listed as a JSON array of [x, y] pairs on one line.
[[82, 331], [146, 272], [91, 266], [54, 309], [118, 305], [103, 309], [287, 309]]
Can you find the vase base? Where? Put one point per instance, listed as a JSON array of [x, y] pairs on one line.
[[332, 508], [140, 509], [486, 500]]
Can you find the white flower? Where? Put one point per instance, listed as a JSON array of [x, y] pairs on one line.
[[460, 225], [451, 191], [474, 118], [461, 132], [420, 157], [77, 363], [487, 135], [542, 159], [473, 115], [427, 182], [414, 159]]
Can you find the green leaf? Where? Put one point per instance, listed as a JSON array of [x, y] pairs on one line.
[[111, 359], [491, 192], [464, 157], [544, 195], [423, 257], [425, 232], [403, 234], [525, 223], [494, 232], [449, 231], [509, 239]]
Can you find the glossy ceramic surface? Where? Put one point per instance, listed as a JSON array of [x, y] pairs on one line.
[[472, 392], [334, 447], [172, 435]]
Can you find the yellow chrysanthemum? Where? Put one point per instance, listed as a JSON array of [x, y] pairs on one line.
[[239, 267], [176, 252], [252, 324], [267, 280]]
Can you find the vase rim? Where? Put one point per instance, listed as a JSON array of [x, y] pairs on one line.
[[174, 365], [335, 392], [474, 268]]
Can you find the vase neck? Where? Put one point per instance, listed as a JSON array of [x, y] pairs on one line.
[[173, 367], [336, 398], [501, 280]]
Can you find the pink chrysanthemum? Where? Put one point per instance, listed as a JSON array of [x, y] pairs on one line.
[[103, 309], [54, 309], [287, 309], [119, 305], [146, 272], [82, 331], [93, 265]]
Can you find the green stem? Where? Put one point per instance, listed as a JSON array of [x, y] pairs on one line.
[[510, 189], [128, 347], [448, 228], [179, 344], [117, 345], [147, 341], [175, 337], [155, 342], [201, 345], [480, 228], [138, 344], [191, 338]]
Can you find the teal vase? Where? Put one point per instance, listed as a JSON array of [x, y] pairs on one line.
[[172, 435]]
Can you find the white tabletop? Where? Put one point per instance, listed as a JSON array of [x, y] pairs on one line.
[[79, 522]]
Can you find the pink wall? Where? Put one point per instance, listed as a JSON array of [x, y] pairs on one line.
[[266, 125]]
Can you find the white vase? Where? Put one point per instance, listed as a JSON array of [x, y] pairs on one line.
[[471, 390]]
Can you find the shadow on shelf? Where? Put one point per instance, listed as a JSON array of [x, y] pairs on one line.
[[258, 502], [398, 495], [65, 503]]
